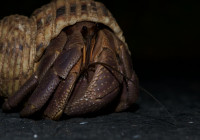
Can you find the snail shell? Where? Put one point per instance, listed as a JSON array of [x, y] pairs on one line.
[[23, 40]]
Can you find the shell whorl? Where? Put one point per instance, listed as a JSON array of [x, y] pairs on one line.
[[17, 52]]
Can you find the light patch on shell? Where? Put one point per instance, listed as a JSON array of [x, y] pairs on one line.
[[21, 28]]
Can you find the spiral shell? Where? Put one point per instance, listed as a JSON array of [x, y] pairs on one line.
[[23, 40], [17, 52]]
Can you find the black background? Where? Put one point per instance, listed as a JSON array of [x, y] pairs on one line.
[[163, 36]]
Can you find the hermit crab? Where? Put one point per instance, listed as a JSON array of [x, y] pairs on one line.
[[69, 57]]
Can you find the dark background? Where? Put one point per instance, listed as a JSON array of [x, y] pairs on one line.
[[163, 36]]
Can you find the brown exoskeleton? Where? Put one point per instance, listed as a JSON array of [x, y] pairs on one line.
[[66, 58]]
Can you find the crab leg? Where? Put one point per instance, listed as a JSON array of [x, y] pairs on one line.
[[130, 86], [69, 57], [57, 104], [129, 93]]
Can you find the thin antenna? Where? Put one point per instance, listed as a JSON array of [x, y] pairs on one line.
[[147, 92]]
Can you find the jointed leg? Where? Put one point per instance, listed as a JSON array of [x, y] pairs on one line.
[[59, 71], [130, 84], [57, 104]]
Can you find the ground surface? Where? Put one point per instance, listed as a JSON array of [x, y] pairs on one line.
[[149, 122]]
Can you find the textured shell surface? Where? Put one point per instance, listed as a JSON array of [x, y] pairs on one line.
[[17, 52], [23, 40]]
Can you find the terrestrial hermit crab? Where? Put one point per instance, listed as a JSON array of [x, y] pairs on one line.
[[69, 57]]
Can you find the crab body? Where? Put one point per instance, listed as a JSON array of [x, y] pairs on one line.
[[68, 57]]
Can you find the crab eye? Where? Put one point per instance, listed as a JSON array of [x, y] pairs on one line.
[[98, 26], [84, 29]]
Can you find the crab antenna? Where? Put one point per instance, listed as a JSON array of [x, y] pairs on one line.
[[162, 105], [141, 88]]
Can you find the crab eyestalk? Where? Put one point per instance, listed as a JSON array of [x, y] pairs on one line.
[[17, 52]]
